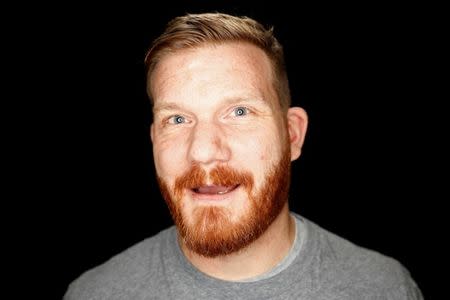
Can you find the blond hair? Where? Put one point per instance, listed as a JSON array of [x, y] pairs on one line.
[[195, 30]]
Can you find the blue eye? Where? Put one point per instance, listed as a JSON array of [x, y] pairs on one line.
[[240, 111], [177, 119]]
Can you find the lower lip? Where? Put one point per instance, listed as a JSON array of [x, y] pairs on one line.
[[214, 197]]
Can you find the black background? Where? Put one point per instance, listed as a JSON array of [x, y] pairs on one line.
[[367, 168]]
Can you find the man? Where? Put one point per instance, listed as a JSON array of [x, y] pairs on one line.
[[224, 136]]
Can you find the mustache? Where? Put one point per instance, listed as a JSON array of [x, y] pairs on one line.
[[196, 177]]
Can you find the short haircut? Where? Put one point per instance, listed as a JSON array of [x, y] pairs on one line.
[[196, 30]]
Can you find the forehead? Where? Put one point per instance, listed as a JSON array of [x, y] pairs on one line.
[[227, 70]]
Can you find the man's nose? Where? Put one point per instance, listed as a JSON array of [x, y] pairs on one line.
[[208, 144]]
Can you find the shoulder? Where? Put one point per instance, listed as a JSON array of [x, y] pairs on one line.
[[348, 268], [124, 273]]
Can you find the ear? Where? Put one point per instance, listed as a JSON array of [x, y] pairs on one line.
[[297, 121], [152, 129]]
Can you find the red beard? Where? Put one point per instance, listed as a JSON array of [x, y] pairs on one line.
[[212, 232]]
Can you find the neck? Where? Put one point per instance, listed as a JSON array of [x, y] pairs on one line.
[[256, 259]]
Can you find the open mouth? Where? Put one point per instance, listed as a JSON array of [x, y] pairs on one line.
[[214, 189]]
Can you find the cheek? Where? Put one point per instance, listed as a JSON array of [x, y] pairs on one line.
[[258, 154], [169, 157]]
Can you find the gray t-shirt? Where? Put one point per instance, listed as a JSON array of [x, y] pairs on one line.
[[320, 265]]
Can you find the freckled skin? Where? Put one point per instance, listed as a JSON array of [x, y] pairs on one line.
[[215, 107], [200, 84], [216, 111]]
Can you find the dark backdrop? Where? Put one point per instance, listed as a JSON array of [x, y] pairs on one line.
[[365, 171]]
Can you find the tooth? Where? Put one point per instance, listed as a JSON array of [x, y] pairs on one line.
[[226, 191], [213, 189]]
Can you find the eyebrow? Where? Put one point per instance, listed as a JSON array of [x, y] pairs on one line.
[[229, 100], [166, 106]]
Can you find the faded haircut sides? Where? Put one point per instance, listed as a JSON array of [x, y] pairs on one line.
[[195, 30]]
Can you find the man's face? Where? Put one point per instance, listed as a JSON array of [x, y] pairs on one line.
[[220, 145]]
